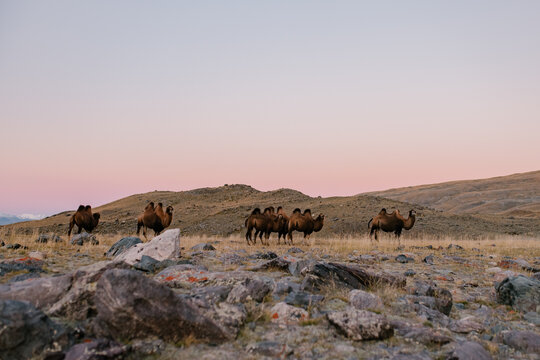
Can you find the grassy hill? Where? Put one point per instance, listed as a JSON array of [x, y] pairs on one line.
[[222, 211], [513, 196]]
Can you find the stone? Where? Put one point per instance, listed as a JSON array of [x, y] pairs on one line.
[[122, 245], [14, 246], [526, 341], [363, 300], [285, 314], [493, 270], [203, 247], [230, 317], [132, 306], [23, 277], [266, 255], [40, 292], [303, 299], [429, 260], [183, 275], [26, 332], [442, 298], [520, 292], [426, 336], [404, 259], [84, 238], [532, 317], [37, 255], [99, 349], [454, 247], [162, 247], [409, 273], [146, 264], [21, 264], [249, 289], [469, 350], [45, 238], [270, 349], [361, 324], [205, 297], [285, 285], [294, 250], [466, 325]]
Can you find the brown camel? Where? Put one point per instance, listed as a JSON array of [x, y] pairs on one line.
[[284, 228], [390, 222], [154, 218], [84, 219], [264, 223], [304, 223]]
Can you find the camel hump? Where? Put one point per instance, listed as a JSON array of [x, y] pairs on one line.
[[307, 211], [256, 211], [279, 208], [88, 207], [297, 210], [81, 208], [383, 211]]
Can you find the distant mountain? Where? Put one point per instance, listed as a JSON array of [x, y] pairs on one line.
[[6, 219]]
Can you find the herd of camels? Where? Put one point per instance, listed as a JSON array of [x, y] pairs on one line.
[[264, 223]]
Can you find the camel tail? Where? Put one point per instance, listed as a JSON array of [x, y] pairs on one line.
[[369, 222]]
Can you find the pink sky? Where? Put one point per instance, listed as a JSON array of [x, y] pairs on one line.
[[97, 103]]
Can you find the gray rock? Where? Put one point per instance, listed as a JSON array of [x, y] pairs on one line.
[[469, 351], [270, 349], [363, 300], [526, 341], [230, 317], [164, 246], [285, 314], [146, 264], [40, 292], [205, 297], [266, 255], [203, 247], [404, 259], [100, 349], [432, 315], [442, 298], [532, 317], [45, 238], [84, 238], [26, 332], [14, 246], [295, 250], [249, 289], [122, 245], [361, 324], [303, 299], [454, 247], [22, 264], [520, 292], [25, 276], [409, 273], [426, 336], [466, 325], [285, 285], [132, 306], [429, 260]]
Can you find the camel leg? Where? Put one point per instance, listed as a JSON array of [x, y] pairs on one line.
[[289, 238], [71, 224], [248, 235], [80, 229]]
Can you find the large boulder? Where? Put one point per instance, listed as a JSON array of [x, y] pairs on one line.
[[21, 264], [520, 292], [363, 300], [132, 306], [162, 247], [469, 350], [122, 245], [40, 292], [26, 332], [285, 314], [526, 341], [99, 349], [361, 324]]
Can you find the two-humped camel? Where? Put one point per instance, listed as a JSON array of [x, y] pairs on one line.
[[154, 218], [263, 223], [390, 222], [304, 223], [84, 219]]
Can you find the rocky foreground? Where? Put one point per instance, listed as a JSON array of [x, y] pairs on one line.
[[157, 300]]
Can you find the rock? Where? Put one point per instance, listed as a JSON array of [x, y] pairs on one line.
[[45, 238], [41, 292], [442, 298], [266, 255], [122, 245], [270, 349], [14, 246], [132, 306], [493, 270], [520, 292], [148, 347], [283, 313], [285, 263], [205, 297], [466, 325], [498, 277], [295, 250], [348, 275], [25, 276], [426, 336], [84, 238], [22, 264], [100, 349], [77, 302], [536, 276], [517, 264], [532, 317], [230, 317], [526, 341], [303, 299], [285, 285], [37, 255], [409, 273], [26, 332], [429, 260], [147, 264], [469, 351], [454, 247], [249, 289], [363, 300], [203, 247], [432, 315], [162, 247], [404, 259], [361, 324], [183, 275]]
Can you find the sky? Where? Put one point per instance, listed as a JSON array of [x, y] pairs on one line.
[[104, 99]]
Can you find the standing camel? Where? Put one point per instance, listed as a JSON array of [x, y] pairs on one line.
[[304, 223], [84, 219], [390, 222]]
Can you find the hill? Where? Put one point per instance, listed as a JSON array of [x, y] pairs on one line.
[[223, 210], [513, 196]]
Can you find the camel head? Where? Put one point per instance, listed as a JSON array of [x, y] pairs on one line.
[[169, 210], [96, 216], [412, 212]]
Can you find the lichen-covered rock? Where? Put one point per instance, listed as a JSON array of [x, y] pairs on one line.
[[526, 341], [303, 299], [469, 350], [363, 300], [101, 349], [122, 245], [361, 324], [21, 264], [84, 238], [40, 292], [283, 313], [147, 264], [132, 306], [162, 247], [249, 289], [26, 332], [520, 292], [466, 325]]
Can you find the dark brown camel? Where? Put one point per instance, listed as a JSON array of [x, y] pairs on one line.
[[154, 218], [84, 219], [304, 223], [390, 222], [284, 227], [264, 223]]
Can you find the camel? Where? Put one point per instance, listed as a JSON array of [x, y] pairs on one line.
[[264, 223], [84, 219], [390, 222], [304, 223], [284, 228], [154, 218]]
